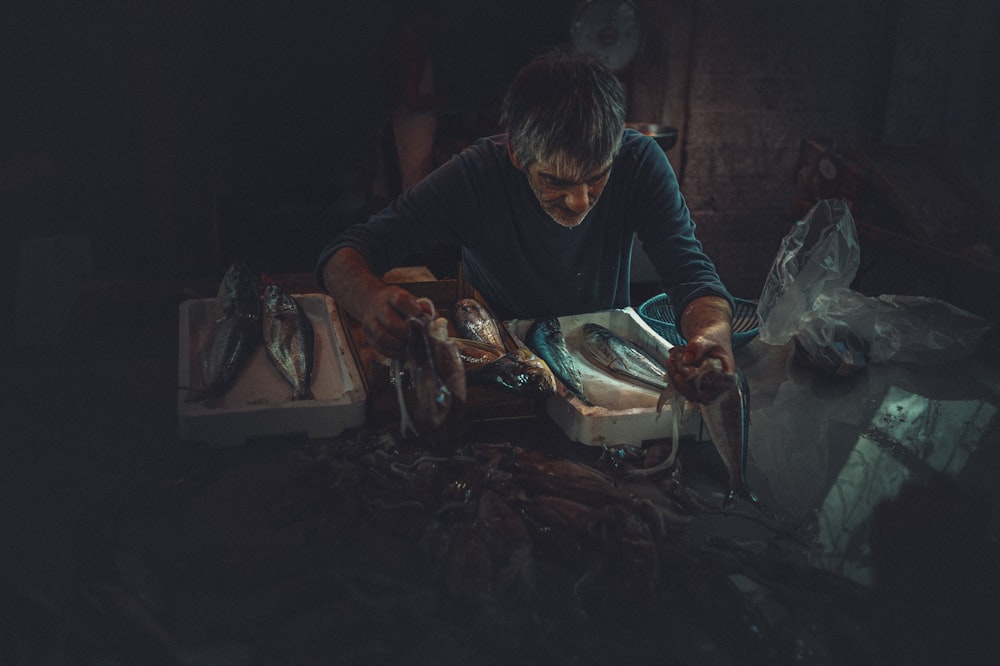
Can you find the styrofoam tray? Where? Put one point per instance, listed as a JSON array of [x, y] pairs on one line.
[[258, 403], [624, 412]]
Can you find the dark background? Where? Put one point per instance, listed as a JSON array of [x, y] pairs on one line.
[[159, 140], [144, 144]]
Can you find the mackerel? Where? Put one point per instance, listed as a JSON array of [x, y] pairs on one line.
[[545, 338], [235, 331], [622, 357]]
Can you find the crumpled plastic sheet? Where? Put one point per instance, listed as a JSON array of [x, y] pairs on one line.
[[807, 297]]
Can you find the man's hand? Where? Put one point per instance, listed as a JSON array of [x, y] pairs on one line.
[[383, 319], [381, 308], [704, 369]]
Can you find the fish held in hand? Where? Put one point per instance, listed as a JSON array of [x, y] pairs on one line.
[[622, 357], [437, 374], [727, 420], [473, 322], [520, 372], [704, 381], [728, 423], [289, 340], [235, 331], [545, 338]]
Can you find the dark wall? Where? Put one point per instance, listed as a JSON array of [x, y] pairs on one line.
[[175, 134], [171, 136]]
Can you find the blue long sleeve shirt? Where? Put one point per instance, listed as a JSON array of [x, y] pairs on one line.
[[524, 263]]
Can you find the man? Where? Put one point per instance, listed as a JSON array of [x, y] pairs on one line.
[[545, 215]]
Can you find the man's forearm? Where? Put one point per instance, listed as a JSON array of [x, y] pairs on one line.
[[350, 281], [707, 315]]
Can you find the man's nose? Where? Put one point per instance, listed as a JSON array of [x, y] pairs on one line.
[[577, 198]]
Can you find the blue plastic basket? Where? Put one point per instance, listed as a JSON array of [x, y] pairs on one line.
[[657, 313]]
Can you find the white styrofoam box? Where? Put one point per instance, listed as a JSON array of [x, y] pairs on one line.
[[258, 403], [623, 412]]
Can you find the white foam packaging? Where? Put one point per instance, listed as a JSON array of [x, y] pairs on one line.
[[258, 403], [623, 412]]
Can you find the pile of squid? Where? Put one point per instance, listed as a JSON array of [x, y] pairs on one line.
[[554, 540]]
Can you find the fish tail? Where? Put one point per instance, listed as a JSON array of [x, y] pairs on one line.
[[305, 394]]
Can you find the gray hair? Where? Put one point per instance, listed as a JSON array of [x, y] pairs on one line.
[[565, 105]]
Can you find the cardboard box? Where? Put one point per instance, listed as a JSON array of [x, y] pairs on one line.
[[624, 412], [258, 403]]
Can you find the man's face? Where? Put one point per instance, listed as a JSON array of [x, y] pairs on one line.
[[565, 193]]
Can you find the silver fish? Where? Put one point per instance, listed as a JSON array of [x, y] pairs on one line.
[[288, 339], [727, 420], [235, 331], [728, 423], [475, 353], [520, 372], [474, 322], [622, 357], [545, 338], [436, 372]]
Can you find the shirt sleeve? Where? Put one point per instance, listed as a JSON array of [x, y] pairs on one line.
[[667, 232], [424, 216]]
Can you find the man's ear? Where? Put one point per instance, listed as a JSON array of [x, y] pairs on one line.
[[513, 157]]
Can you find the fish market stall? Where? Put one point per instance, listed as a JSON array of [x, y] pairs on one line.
[[130, 543]]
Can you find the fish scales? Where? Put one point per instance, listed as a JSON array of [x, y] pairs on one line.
[[545, 338], [473, 321], [520, 372], [727, 421], [235, 331], [289, 340], [476, 353], [622, 357]]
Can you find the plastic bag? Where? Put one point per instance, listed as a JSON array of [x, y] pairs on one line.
[[806, 297], [820, 255]]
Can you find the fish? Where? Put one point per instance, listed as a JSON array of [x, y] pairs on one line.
[[545, 338], [289, 340], [727, 420], [474, 322], [437, 374], [520, 372], [475, 353], [235, 331], [626, 359], [728, 423], [622, 357]]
